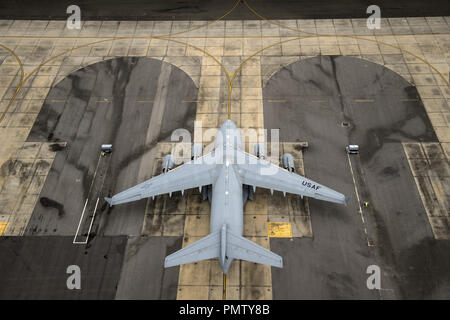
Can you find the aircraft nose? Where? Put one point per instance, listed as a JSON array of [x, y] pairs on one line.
[[229, 124]]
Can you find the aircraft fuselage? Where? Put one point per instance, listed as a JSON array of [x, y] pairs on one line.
[[227, 201]]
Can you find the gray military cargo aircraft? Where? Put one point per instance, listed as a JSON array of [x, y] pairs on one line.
[[227, 177]]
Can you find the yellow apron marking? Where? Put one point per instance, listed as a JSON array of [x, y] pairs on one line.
[[224, 291], [279, 229], [3, 226], [412, 100]]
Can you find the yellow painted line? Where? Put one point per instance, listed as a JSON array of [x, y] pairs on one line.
[[211, 22], [224, 290], [319, 100], [325, 36], [363, 100], [200, 37], [2, 116], [280, 101], [56, 100], [195, 37], [203, 100], [164, 35], [144, 101], [279, 229], [231, 79], [414, 100], [123, 38], [129, 38], [3, 226], [317, 35], [230, 88], [103, 101]]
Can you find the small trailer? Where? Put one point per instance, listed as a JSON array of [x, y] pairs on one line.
[[352, 149], [106, 149], [304, 144], [301, 145], [58, 146]]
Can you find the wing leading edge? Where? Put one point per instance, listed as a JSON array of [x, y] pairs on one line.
[[262, 173], [189, 175]]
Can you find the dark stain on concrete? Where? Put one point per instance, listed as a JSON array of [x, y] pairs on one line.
[[395, 218], [213, 9], [98, 104], [37, 267], [49, 203]]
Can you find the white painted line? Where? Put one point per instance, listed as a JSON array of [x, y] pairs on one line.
[[90, 227], [92, 221], [79, 223], [95, 173], [82, 214], [359, 202]]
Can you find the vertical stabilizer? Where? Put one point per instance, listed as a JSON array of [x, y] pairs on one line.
[[223, 244]]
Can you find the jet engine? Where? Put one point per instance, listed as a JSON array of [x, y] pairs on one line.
[[207, 192], [168, 163], [197, 151], [247, 193], [288, 162], [260, 150]]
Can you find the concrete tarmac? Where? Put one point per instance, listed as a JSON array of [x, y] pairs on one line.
[[333, 101], [36, 267], [131, 103], [211, 10], [143, 274]]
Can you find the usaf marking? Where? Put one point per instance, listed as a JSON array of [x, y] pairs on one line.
[[310, 185]]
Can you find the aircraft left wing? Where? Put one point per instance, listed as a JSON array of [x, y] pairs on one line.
[[196, 173], [262, 173]]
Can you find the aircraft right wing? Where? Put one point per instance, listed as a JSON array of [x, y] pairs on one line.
[[262, 173], [195, 173]]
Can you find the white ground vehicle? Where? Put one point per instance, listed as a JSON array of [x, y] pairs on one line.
[[352, 149]]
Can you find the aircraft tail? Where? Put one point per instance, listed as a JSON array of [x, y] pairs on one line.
[[241, 248], [225, 246]]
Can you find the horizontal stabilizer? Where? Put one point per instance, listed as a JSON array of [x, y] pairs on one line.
[[205, 248], [244, 249], [236, 247]]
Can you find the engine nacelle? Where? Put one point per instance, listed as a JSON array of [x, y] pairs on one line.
[[260, 150], [207, 193], [288, 162], [168, 163], [247, 193], [197, 151]]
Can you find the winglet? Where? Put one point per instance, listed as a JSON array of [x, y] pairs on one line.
[[346, 200], [109, 200]]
